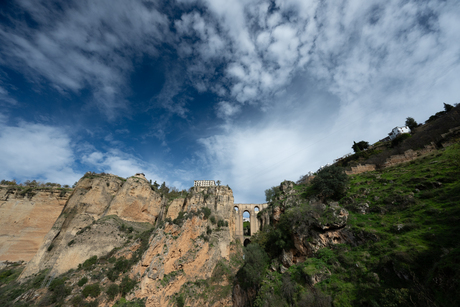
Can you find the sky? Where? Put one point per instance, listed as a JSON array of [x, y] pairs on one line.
[[250, 93]]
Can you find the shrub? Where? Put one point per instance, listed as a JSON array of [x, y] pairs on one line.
[[357, 147], [411, 123], [180, 300], [127, 284], [213, 220], [82, 281], [89, 262], [255, 265], [220, 223], [208, 230], [60, 291], [50, 247], [330, 182], [91, 290], [206, 212], [398, 140], [112, 275], [121, 265], [112, 291], [271, 193], [77, 301]]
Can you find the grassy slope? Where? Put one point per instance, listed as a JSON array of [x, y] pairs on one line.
[[407, 251], [415, 250]]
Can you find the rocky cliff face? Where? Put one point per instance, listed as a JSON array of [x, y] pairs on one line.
[[321, 225], [93, 198], [187, 241], [26, 217]]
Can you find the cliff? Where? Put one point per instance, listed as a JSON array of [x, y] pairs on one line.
[[26, 217], [169, 248]]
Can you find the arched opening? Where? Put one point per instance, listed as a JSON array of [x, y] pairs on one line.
[[256, 210], [246, 223], [246, 242], [236, 209]]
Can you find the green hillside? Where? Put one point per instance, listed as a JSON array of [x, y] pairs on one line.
[[403, 251]]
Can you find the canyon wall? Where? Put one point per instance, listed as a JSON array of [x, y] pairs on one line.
[[25, 219]]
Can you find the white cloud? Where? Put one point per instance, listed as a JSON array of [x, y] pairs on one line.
[[226, 110], [34, 151]]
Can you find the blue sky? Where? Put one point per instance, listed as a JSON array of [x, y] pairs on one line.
[[247, 92]]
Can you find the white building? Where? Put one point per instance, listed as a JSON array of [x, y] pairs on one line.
[[204, 183], [397, 131]]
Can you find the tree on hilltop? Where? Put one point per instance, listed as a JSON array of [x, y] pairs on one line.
[[411, 123], [330, 183], [448, 107], [357, 147]]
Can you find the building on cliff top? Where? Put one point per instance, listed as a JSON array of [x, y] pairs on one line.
[[204, 183], [397, 131]]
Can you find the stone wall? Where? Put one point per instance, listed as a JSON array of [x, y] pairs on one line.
[[407, 156]]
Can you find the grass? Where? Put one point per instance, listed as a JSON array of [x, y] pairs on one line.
[[404, 249], [413, 222]]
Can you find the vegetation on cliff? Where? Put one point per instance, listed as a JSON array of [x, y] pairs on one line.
[[399, 246]]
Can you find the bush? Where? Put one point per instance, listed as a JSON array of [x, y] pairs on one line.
[[180, 300], [411, 123], [127, 284], [255, 264], [91, 290], [330, 182], [60, 291], [398, 140], [82, 281], [360, 146], [271, 193], [112, 291], [89, 262], [213, 220], [50, 247], [206, 212]]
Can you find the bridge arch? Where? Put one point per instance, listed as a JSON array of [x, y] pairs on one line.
[[253, 210]]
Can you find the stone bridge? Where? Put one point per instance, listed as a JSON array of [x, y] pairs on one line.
[[253, 210]]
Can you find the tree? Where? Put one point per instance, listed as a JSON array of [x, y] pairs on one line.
[[255, 264], [156, 185], [411, 123], [270, 193], [218, 182], [163, 188], [357, 147], [448, 107], [330, 182]]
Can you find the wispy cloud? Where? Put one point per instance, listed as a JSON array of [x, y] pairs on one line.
[[5, 97], [83, 44]]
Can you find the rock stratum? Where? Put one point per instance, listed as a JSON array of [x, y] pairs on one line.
[[26, 218], [164, 246]]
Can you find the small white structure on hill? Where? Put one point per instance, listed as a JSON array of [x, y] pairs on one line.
[[205, 183], [397, 131]]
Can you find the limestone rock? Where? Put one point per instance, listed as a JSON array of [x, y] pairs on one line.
[[26, 220], [286, 258]]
